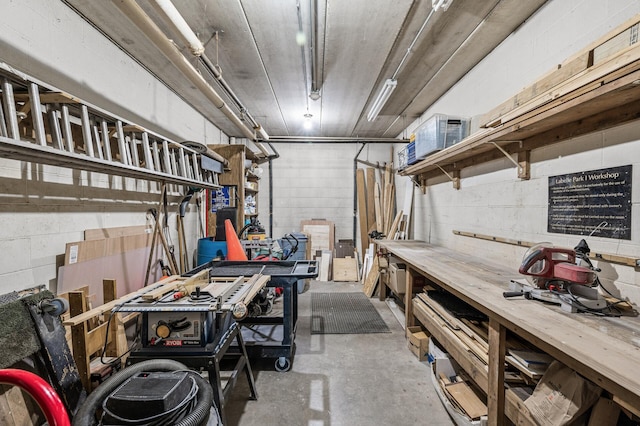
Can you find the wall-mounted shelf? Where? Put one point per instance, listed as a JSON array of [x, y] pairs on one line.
[[242, 179], [579, 98], [43, 125]]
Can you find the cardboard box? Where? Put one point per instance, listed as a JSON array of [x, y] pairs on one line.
[[397, 277], [413, 329], [418, 342]]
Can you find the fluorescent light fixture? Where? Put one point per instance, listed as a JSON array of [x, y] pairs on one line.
[[307, 121], [436, 4], [383, 97]]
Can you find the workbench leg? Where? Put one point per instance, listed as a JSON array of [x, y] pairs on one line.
[[409, 319], [495, 391], [382, 293]]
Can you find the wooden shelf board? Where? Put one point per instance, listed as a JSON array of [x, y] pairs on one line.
[[607, 102]]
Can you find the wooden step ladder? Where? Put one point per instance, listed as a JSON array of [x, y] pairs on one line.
[[44, 125]]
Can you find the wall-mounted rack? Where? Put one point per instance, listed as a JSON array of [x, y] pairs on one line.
[[41, 124], [596, 89]]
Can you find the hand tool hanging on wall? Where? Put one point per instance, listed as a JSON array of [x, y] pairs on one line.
[[182, 243], [152, 249], [157, 231], [166, 235], [201, 231]]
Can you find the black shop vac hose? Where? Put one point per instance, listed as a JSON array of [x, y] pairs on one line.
[[198, 416]]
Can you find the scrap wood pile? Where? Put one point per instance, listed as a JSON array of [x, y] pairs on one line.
[[378, 218], [464, 331]]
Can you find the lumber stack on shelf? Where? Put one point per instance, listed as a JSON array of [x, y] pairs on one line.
[[466, 342]]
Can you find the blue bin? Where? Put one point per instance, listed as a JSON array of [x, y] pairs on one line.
[[209, 249]]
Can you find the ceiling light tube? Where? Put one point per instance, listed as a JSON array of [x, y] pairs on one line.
[[315, 79], [436, 4], [381, 100]]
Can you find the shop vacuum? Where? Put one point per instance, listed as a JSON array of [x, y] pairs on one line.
[[156, 392]]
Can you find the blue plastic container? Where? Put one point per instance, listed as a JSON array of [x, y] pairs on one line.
[[209, 249]]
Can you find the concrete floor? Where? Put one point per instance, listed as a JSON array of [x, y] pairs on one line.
[[355, 379]]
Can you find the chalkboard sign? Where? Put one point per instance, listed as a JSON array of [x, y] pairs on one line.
[[597, 201]]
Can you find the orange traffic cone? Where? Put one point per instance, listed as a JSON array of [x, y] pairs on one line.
[[234, 247]]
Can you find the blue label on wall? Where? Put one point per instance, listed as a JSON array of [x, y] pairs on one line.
[[597, 202], [221, 198]]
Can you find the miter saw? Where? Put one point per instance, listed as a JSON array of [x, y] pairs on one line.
[[552, 275]]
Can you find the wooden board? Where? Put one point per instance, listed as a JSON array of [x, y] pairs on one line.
[[322, 233], [17, 408], [606, 47], [533, 372], [362, 209], [466, 399], [325, 266], [82, 251], [371, 199], [372, 278], [345, 269], [378, 209], [394, 226], [121, 231], [128, 269]]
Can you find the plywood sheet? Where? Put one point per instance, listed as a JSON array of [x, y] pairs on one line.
[[128, 269], [372, 278], [325, 265], [345, 269], [82, 251], [466, 399], [322, 233], [121, 231]]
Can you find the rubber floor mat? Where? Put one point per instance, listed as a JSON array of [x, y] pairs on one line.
[[345, 313]]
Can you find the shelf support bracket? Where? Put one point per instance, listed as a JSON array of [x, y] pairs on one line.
[[453, 177], [522, 164]]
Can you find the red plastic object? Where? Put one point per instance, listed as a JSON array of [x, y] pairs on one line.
[[235, 251], [41, 392]]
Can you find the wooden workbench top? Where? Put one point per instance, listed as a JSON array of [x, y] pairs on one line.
[[605, 350]]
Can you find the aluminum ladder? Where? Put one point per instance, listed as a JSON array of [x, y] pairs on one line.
[[44, 125]]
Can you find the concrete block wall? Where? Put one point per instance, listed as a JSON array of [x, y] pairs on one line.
[[44, 207], [315, 181], [492, 199]]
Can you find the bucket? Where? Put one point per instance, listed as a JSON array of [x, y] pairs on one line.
[[209, 249]]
